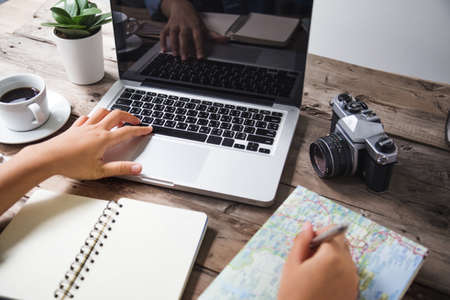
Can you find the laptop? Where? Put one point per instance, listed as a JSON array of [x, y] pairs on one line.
[[222, 126]]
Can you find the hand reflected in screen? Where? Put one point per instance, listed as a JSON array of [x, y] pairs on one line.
[[185, 31]]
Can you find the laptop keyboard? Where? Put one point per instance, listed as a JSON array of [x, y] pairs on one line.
[[227, 125], [223, 75]]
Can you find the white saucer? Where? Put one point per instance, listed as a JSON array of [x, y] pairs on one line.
[[132, 43], [59, 114]]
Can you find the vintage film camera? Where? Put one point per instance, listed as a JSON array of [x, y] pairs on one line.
[[356, 145]]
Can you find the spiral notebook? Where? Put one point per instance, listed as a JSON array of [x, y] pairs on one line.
[[62, 246]]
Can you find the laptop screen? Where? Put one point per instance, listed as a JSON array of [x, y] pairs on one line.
[[255, 48]]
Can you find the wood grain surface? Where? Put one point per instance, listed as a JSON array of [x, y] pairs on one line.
[[417, 204]]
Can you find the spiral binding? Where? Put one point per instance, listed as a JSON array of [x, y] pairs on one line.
[[88, 252]]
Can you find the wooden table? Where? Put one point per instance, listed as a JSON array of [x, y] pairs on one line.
[[413, 111]]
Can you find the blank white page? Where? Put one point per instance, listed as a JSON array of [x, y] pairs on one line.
[[148, 254], [41, 242]]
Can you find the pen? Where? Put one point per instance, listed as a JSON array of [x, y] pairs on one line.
[[328, 235]]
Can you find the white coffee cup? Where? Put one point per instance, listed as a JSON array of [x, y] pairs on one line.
[[25, 115]]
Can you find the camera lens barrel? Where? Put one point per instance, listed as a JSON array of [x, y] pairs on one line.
[[331, 156]]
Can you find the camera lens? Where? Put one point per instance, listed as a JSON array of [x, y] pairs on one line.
[[331, 156]]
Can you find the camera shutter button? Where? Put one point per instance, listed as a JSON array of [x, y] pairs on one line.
[[354, 107], [344, 97], [386, 145]]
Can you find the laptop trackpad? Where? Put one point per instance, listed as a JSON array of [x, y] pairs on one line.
[[162, 159]]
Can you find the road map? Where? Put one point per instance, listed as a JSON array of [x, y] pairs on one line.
[[387, 262]]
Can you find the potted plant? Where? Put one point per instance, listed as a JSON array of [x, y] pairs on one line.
[[78, 37]]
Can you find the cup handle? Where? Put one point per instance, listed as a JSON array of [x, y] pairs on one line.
[[39, 116], [132, 26]]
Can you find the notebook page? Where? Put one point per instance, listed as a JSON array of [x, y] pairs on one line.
[[40, 243], [218, 22], [267, 28], [148, 254]]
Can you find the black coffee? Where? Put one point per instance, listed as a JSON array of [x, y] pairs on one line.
[[19, 95]]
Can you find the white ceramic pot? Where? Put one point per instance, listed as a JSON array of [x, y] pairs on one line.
[[82, 58]]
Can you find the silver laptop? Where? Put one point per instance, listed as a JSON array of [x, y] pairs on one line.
[[222, 126]]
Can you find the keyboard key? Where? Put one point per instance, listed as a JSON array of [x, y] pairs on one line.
[[277, 114], [272, 126], [265, 132], [147, 99], [146, 112], [169, 109], [148, 105], [258, 117], [246, 115], [207, 102], [192, 113], [180, 118], [202, 122], [253, 110], [204, 129], [261, 124], [136, 97], [260, 139], [228, 134], [168, 116], [230, 106], [158, 100], [148, 120], [216, 140], [223, 111], [180, 134], [190, 105], [151, 94], [201, 107], [137, 103], [240, 136], [249, 122], [239, 146], [168, 102], [216, 104], [179, 104], [225, 125], [241, 108], [191, 120], [193, 128], [227, 142], [121, 107], [180, 111], [252, 147], [212, 109], [235, 113], [237, 127], [129, 90], [196, 101], [214, 124], [203, 115], [124, 102], [225, 118], [172, 97], [214, 117], [272, 119], [184, 99], [264, 112], [139, 92], [249, 129], [135, 110], [170, 124], [158, 107], [181, 126], [237, 120], [157, 114], [162, 95], [216, 131], [264, 150], [158, 122]]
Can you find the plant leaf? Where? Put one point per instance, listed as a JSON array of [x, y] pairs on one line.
[[61, 16], [71, 7], [100, 24], [91, 4], [82, 4], [90, 11], [71, 26], [74, 33], [100, 18]]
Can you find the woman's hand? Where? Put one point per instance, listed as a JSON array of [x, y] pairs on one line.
[[321, 274], [78, 152], [186, 31]]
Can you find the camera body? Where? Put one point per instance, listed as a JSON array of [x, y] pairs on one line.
[[356, 145]]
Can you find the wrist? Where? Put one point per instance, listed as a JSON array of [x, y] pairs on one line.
[[167, 6], [37, 160]]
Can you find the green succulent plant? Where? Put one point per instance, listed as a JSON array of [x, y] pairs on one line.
[[77, 18]]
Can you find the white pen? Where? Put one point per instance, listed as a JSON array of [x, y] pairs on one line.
[[328, 235]]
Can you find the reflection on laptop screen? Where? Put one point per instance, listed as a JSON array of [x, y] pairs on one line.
[[264, 26]]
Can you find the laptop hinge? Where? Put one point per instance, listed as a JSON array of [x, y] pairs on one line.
[[211, 92]]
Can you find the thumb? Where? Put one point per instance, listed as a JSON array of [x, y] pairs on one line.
[[300, 250], [117, 168]]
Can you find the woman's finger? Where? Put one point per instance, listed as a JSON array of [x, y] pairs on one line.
[[217, 37], [115, 118], [80, 121], [174, 41], [163, 38], [117, 168], [198, 42], [184, 41], [300, 250], [97, 116], [127, 132]]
